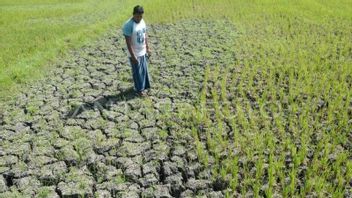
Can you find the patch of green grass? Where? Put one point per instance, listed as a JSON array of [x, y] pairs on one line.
[[83, 148], [12, 194], [120, 179], [44, 192], [163, 134], [36, 33]]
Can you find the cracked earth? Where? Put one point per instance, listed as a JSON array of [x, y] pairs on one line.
[[83, 132]]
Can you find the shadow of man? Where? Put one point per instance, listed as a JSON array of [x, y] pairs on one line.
[[102, 102]]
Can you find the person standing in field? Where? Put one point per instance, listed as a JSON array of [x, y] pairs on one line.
[[135, 32]]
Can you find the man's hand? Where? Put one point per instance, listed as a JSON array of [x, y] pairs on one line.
[[134, 60], [149, 55]]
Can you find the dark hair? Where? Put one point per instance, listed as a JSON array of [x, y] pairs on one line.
[[138, 9]]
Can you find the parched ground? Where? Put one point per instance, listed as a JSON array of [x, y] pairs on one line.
[[82, 132]]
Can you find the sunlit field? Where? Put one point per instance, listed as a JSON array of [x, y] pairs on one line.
[[36, 32], [273, 118], [277, 119]]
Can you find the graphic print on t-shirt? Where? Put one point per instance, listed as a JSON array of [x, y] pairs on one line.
[[140, 37]]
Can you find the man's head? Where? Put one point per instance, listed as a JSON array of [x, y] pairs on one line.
[[138, 12]]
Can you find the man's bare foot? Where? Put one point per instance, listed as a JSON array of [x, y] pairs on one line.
[[142, 93]]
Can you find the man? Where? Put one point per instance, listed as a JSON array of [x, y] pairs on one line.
[[135, 33]]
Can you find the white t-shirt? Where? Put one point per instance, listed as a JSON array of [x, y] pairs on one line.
[[137, 31]]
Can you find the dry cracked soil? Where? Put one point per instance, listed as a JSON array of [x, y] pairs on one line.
[[83, 132]]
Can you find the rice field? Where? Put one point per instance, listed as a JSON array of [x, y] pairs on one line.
[[277, 119], [273, 114]]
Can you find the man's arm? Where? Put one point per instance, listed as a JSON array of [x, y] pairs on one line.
[[146, 43], [129, 47]]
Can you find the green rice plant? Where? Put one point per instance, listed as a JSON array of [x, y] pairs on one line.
[[234, 172], [211, 143], [242, 121], [82, 147], [223, 84], [319, 186], [259, 173], [120, 179], [99, 139], [308, 184], [271, 175], [292, 185], [43, 193], [236, 133], [280, 170], [163, 134]]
